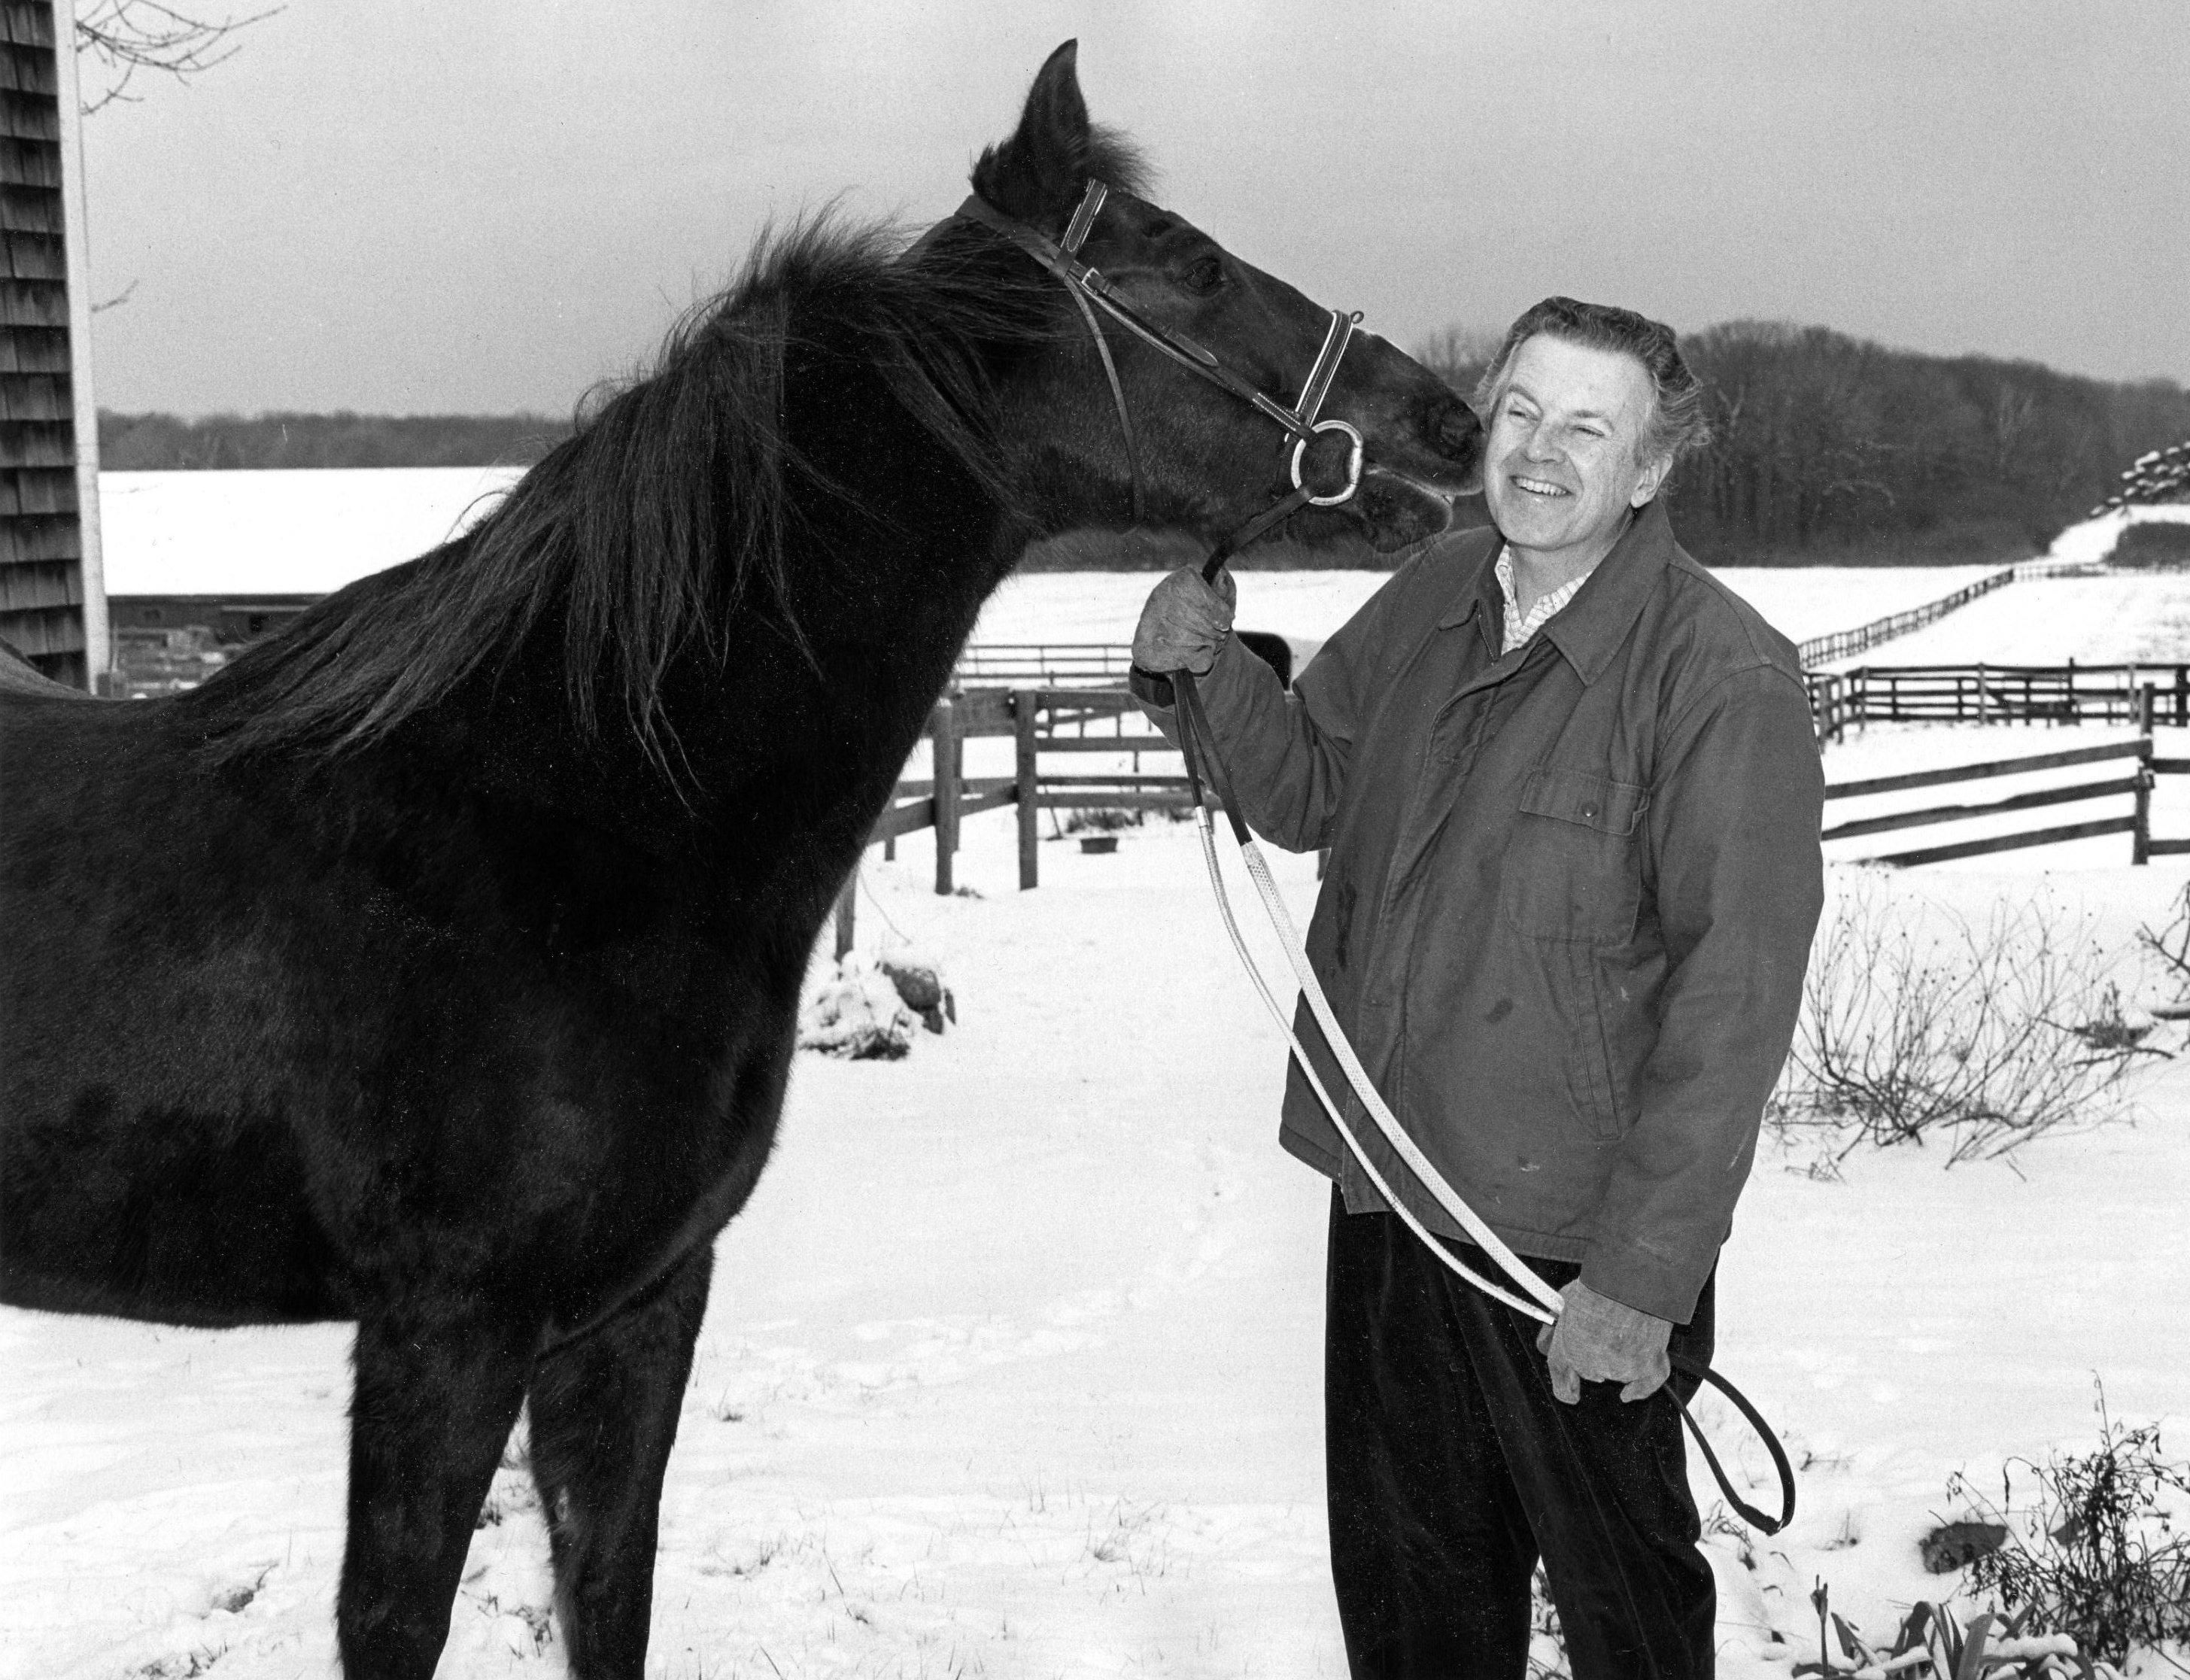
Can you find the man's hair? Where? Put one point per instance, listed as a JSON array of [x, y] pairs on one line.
[[1676, 422]]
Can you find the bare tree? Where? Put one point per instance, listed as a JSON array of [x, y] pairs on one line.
[[128, 36]]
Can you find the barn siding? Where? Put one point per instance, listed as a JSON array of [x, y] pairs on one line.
[[52, 606]]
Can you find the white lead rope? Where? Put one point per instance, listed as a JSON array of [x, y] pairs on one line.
[[1425, 1170], [1547, 1303]]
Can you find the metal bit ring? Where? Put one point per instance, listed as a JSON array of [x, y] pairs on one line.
[[1352, 462]]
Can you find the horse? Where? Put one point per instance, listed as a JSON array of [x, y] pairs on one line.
[[435, 965]]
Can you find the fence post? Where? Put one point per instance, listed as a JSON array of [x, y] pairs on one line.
[[2140, 838], [1025, 716], [847, 903], [943, 733], [1981, 691]]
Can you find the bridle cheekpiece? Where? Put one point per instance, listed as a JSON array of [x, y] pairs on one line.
[[1091, 291]]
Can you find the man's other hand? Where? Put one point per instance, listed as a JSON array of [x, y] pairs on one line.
[[1184, 622], [1597, 1340]]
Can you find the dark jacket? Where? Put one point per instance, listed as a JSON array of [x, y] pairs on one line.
[[1570, 894]]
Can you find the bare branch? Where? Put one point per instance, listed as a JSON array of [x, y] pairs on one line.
[[128, 36]]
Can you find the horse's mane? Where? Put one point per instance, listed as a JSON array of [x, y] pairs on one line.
[[664, 512]]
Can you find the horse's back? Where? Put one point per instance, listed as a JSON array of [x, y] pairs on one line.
[[18, 675]]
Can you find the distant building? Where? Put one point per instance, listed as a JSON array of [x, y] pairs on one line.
[[165, 644], [53, 601]]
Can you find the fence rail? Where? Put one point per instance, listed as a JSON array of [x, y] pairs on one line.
[[1040, 721], [1846, 643], [2137, 787], [1081, 664], [1044, 721], [1996, 694]]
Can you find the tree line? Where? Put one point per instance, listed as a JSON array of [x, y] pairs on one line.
[[1831, 449], [147, 443], [1825, 449]]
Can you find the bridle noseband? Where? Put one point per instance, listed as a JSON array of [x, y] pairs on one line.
[[1091, 291]]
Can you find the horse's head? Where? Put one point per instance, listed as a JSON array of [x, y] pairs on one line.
[[1208, 459]]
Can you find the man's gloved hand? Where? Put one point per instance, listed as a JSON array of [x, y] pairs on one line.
[[1597, 1340], [1184, 622]]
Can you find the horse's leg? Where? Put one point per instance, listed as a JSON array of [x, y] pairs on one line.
[[436, 1393], [602, 1416]]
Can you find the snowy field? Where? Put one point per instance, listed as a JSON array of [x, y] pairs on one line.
[[1013, 1367], [1012, 1364], [278, 533], [302, 532]]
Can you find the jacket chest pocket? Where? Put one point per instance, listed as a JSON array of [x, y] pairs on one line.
[[1573, 868]]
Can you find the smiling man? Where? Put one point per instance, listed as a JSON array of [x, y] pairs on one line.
[[1572, 798]]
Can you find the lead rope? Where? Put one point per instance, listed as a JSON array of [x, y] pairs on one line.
[[1198, 745]]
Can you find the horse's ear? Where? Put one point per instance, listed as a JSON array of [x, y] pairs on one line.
[[1038, 174]]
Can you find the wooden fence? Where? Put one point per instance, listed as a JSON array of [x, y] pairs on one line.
[[2135, 785], [1042, 722], [1057, 664], [1996, 694], [1846, 643]]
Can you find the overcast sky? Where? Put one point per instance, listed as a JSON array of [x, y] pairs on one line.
[[416, 206]]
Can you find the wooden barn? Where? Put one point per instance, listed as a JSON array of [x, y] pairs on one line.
[[53, 606]]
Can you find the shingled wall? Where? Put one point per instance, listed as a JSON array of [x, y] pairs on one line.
[[42, 530]]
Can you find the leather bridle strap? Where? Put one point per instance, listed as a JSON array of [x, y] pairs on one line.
[[1091, 291]]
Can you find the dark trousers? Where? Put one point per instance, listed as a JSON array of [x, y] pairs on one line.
[[1452, 1468]]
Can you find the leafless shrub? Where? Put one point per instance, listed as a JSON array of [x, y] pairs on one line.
[[2168, 947], [1101, 820], [1919, 1026], [2097, 1555]]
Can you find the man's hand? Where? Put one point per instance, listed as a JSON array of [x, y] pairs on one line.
[[1184, 622], [1597, 1340]]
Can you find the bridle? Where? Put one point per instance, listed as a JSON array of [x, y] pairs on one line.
[[1091, 291]]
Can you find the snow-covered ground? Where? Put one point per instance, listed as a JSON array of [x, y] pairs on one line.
[[2121, 619], [305, 532], [1012, 1367], [278, 533], [1098, 606]]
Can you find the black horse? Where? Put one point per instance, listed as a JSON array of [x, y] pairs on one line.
[[435, 965]]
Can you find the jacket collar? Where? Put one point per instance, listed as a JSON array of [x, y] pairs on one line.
[[1590, 628]]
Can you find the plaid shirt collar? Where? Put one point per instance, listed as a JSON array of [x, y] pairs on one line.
[[1515, 627]]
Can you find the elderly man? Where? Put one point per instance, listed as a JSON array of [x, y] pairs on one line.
[[1571, 799]]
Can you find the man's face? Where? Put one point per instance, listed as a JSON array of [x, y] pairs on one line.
[[1561, 474]]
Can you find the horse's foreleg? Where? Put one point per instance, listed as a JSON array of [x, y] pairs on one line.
[[603, 1416], [436, 1393]]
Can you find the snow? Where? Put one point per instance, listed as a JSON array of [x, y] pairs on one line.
[[1012, 1367], [305, 532], [1014, 1363], [2120, 620], [245, 533], [2094, 539], [1103, 606]]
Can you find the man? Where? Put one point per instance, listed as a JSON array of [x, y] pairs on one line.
[[1571, 799]]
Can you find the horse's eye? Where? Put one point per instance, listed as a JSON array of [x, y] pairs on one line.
[[1204, 276]]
